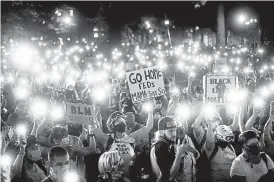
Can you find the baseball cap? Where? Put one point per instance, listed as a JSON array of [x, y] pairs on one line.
[[166, 123]]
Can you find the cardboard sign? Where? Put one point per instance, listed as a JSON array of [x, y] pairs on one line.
[[145, 83], [79, 113], [216, 87]]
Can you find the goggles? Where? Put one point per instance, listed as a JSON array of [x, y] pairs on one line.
[[226, 138]]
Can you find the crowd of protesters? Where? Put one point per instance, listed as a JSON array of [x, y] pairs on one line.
[[159, 144]]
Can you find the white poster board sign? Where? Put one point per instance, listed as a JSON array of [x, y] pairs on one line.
[[145, 83], [217, 87], [79, 113]]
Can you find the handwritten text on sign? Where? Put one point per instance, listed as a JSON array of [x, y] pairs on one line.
[[145, 83], [218, 86], [79, 113]]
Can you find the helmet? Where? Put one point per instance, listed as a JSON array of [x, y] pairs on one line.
[[112, 119], [224, 133]]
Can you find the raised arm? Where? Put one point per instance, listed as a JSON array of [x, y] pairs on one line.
[[16, 168], [241, 118], [189, 85], [197, 128], [268, 125], [252, 119], [210, 144], [267, 133], [34, 128], [85, 151], [235, 124]]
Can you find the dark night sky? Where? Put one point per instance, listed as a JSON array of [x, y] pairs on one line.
[[182, 13]]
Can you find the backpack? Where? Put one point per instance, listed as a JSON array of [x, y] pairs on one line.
[[203, 164], [140, 168]]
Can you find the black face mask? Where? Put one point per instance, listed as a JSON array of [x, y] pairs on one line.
[[254, 149], [120, 127], [222, 144]]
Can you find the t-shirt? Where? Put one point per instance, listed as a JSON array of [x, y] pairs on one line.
[[221, 163], [125, 150], [241, 167]]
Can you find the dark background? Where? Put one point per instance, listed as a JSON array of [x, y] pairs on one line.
[[182, 13]]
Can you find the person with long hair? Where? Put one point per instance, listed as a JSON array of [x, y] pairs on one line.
[[111, 167]]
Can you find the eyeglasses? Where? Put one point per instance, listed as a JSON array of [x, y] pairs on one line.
[[253, 144], [129, 113], [229, 138]]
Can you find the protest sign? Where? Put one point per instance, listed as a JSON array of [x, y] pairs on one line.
[[79, 113], [216, 87], [145, 83]]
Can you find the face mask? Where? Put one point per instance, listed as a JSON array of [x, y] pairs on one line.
[[58, 172], [222, 144], [35, 155], [254, 149], [120, 128]]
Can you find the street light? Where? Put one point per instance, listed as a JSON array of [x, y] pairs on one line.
[[261, 51], [166, 22], [67, 20], [241, 18]]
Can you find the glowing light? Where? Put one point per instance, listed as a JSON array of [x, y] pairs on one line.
[[6, 160], [241, 18], [233, 109], [67, 20], [55, 76], [148, 107], [183, 111], [99, 94], [226, 69], [162, 65], [57, 112], [265, 92], [21, 129], [192, 74], [71, 177], [261, 51], [258, 102], [39, 108], [23, 56], [147, 24], [174, 91], [180, 65], [96, 35], [237, 96], [21, 92], [167, 22], [209, 110], [71, 12]]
